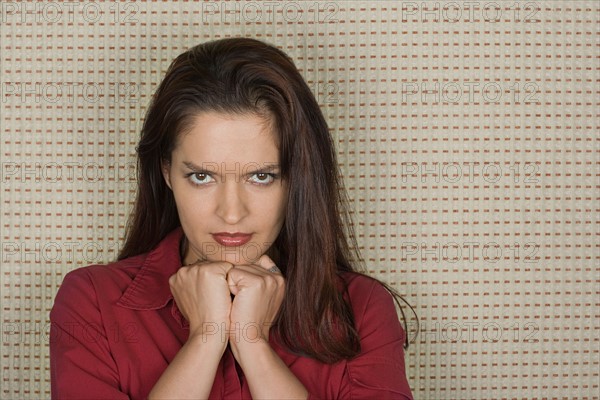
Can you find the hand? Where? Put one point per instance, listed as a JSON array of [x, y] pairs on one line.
[[202, 295], [258, 297]]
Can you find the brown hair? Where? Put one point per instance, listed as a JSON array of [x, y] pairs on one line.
[[246, 75]]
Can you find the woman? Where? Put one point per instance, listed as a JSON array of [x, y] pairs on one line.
[[235, 279]]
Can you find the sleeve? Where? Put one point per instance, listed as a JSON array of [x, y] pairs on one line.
[[378, 371], [81, 365]]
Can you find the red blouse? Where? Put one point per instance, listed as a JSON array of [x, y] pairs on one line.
[[115, 328]]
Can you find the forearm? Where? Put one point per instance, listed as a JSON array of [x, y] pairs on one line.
[[268, 376], [191, 374]]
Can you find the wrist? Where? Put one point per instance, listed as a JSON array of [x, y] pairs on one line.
[[242, 334], [251, 350], [258, 359], [210, 334]]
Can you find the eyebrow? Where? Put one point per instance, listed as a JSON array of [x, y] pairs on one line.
[[268, 167]]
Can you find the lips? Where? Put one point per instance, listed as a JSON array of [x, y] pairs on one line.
[[232, 239]]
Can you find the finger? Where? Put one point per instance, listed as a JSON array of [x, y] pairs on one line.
[[265, 262], [253, 269], [221, 267], [225, 267], [242, 276], [234, 276]]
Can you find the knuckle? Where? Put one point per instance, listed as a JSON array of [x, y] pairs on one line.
[[265, 258], [272, 282], [218, 266]]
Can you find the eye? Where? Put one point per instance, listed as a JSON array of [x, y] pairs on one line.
[[263, 178], [200, 178]]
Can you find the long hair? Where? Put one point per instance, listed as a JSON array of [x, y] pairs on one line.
[[249, 76]]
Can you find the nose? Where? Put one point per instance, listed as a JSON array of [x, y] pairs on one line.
[[231, 203]]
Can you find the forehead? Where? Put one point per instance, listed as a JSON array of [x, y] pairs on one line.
[[224, 137]]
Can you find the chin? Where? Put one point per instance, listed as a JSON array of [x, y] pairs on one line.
[[237, 259], [235, 255]]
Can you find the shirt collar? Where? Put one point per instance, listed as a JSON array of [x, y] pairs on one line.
[[150, 289]]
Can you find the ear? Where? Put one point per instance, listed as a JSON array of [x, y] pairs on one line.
[[166, 171]]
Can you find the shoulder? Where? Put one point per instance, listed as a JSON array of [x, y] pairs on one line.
[[119, 273], [369, 298], [379, 370], [123, 272], [363, 289], [86, 284]]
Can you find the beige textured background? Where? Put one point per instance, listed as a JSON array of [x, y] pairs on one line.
[[468, 135]]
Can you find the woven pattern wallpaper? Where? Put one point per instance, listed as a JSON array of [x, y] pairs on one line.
[[467, 134]]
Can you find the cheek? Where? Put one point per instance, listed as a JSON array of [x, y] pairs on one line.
[[268, 211], [279, 208], [189, 205], [182, 196]]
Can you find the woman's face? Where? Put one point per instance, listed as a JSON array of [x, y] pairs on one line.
[[225, 176]]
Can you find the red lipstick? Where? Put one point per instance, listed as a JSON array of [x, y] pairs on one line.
[[231, 239]]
